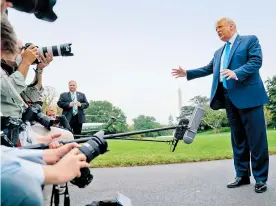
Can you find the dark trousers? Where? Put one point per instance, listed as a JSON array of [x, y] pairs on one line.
[[75, 125], [248, 136]]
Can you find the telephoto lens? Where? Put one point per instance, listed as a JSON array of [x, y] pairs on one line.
[[57, 50], [91, 149]]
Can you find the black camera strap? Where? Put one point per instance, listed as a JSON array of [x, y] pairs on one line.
[[27, 102], [36, 78], [55, 197], [66, 196]]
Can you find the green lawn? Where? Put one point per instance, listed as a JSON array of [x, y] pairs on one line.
[[206, 146]]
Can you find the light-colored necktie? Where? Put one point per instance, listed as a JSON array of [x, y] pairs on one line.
[[225, 62], [75, 107]]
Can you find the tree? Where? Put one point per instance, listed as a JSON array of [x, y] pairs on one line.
[[171, 120], [186, 111], [268, 116], [199, 100], [214, 118], [101, 111], [50, 97], [147, 122], [271, 90]]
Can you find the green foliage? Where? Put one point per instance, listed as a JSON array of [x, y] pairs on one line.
[[214, 118], [201, 100], [101, 111], [268, 116], [171, 120], [138, 136], [185, 112], [143, 122], [223, 130], [271, 90]]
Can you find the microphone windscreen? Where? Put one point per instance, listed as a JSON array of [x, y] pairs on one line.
[[193, 126], [179, 131]]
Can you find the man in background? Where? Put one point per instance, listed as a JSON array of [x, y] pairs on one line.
[[73, 104]]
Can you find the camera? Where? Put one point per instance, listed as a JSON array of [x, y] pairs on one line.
[[56, 50], [56, 120], [42, 9], [91, 149], [34, 113]]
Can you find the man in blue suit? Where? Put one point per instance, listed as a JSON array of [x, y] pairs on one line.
[[238, 87]]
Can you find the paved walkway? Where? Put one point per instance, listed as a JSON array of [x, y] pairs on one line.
[[172, 185]]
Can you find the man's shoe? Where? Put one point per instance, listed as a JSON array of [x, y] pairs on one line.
[[239, 181], [260, 187]]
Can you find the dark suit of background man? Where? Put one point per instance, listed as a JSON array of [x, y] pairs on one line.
[[73, 104], [238, 87]]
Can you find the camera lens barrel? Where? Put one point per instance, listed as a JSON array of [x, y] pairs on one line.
[[93, 148], [57, 50]]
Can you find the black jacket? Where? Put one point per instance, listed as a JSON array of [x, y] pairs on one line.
[[65, 100]]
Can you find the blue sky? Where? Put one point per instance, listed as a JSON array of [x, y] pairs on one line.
[[124, 50]]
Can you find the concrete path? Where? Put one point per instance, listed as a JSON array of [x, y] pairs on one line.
[[172, 185]]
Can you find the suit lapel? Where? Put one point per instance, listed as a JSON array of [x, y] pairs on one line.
[[233, 49], [69, 96], [78, 96]]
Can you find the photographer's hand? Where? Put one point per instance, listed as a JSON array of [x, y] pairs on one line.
[[47, 139], [52, 156], [44, 61], [30, 54], [70, 164], [28, 57]]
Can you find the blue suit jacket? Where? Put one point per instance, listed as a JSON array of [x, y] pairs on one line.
[[245, 60]]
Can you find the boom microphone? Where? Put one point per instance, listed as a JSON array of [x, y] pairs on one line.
[[194, 123], [179, 132]]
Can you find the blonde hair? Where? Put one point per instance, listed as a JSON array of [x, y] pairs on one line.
[[228, 21], [51, 108]]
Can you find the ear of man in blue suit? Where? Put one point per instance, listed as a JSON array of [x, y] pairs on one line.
[[237, 87]]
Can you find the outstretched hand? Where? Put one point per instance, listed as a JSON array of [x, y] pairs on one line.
[[179, 72]]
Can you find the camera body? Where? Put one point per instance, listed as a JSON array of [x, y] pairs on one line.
[[91, 149], [35, 113]]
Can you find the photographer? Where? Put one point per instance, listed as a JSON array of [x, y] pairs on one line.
[[39, 132], [13, 83], [23, 172], [13, 77], [34, 91], [61, 121]]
